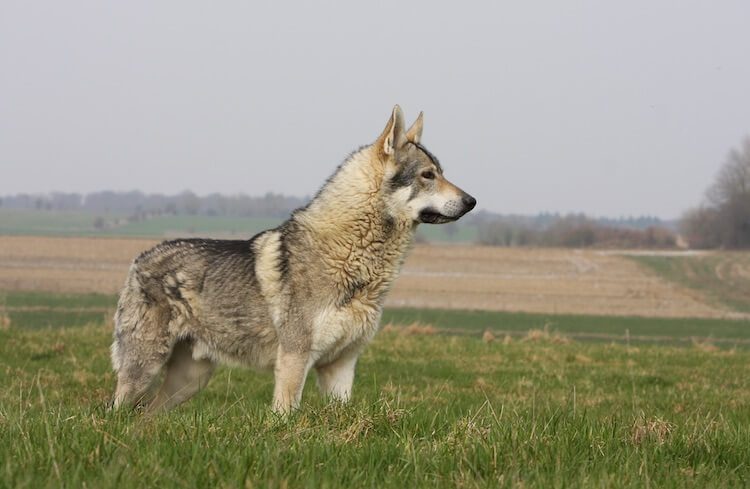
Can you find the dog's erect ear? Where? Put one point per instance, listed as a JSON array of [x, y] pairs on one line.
[[393, 136], [414, 134]]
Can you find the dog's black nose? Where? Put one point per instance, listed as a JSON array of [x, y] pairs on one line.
[[469, 202]]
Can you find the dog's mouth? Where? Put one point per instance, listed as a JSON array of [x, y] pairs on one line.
[[431, 216]]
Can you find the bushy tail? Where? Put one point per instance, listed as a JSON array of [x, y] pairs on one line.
[[141, 314], [141, 344]]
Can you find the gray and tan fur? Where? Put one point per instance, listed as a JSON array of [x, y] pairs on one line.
[[307, 294]]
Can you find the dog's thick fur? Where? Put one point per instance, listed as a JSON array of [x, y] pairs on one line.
[[307, 294]]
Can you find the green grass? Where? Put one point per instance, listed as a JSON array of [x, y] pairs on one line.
[[34, 223], [713, 275], [39, 310], [55, 300], [609, 327], [30, 310], [201, 225], [58, 223], [428, 411]]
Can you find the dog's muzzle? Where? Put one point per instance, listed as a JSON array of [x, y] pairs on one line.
[[452, 211]]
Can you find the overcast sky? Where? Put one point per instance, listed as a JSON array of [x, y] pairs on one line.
[[610, 108]]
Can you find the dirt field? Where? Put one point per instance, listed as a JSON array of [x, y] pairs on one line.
[[461, 277], [542, 280]]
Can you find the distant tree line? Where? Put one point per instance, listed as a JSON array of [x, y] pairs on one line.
[[545, 229], [723, 219], [140, 205], [574, 230]]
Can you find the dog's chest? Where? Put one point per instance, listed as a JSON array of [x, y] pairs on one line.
[[339, 328], [368, 274]]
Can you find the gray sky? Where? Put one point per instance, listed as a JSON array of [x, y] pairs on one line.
[[610, 108]]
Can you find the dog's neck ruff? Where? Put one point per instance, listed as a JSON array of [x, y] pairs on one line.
[[353, 195], [348, 222]]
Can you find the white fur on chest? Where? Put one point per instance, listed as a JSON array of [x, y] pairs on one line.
[[336, 329]]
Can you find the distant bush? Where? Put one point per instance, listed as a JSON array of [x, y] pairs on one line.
[[99, 223], [574, 232]]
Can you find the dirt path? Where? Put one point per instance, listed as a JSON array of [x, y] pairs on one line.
[[461, 277]]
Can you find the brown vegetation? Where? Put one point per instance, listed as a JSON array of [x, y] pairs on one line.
[[652, 429], [544, 335], [575, 231]]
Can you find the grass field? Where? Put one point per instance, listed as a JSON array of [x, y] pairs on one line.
[[429, 411], [65, 223], [39, 310], [34, 223], [195, 225], [620, 329], [443, 397], [723, 277]]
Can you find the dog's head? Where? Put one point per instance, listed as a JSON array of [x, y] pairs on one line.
[[414, 182]]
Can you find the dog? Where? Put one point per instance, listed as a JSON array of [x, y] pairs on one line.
[[307, 294]]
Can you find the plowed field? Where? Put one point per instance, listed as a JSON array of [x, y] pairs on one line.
[[459, 277]]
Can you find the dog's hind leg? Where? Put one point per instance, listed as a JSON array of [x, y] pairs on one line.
[[185, 377]]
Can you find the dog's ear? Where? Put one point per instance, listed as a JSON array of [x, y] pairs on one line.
[[393, 137], [414, 134]]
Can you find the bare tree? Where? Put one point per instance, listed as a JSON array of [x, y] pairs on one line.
[[725, 218], [700, 228]]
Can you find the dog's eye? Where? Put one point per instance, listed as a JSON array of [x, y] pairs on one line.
[[429, 175]]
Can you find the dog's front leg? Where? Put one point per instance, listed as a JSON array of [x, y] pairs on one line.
[[336, 378], [290, 373]]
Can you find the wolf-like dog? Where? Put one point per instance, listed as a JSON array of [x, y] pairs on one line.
[[307, 294]]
